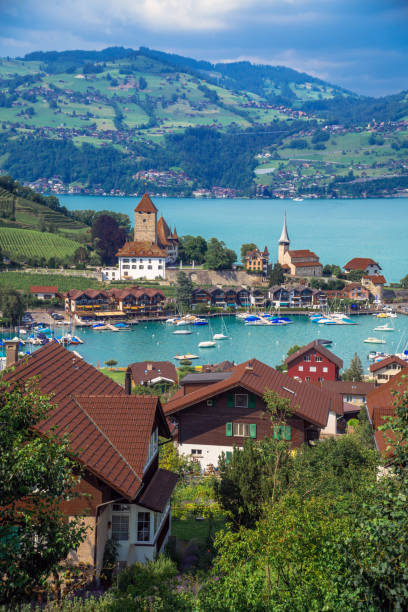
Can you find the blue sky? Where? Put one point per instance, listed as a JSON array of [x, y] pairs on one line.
[[358, 44]]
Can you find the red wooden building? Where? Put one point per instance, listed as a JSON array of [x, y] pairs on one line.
[[314, 363]]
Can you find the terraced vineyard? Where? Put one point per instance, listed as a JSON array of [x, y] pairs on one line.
[[21, 244]]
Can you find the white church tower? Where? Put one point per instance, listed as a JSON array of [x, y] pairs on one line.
[[284, 243]]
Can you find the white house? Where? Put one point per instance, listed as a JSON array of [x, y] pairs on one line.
[[138, 260], [44, 292]]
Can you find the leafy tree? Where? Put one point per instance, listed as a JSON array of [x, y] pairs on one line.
[[246, 248], [218, 257], [108, 237], [193, 248], [36, 473], [184, 289], [81, 255], [355, 371], [282, 367], [355, 275], [276, 275], [404, 281], [110, 363], [142, 83], [12, 306]]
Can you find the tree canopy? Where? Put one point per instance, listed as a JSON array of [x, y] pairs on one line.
[[218, 256]]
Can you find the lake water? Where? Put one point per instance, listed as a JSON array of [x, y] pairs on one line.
[[336, 230], [268, 344]]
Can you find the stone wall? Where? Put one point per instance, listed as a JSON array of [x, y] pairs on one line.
[[231, 278]]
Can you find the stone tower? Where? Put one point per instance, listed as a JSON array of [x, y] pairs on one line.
[[284, 243], [145, 221]]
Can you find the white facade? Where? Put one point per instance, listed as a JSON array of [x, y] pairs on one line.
[[134, 268], [373, 269], [205, 454], [331, 426]]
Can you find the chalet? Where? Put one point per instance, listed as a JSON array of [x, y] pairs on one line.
[[115, 302], [296, 296], [352, 291], [139, 301], [213, 412], [257, 298], [230, 297], [385, 369], [375, 285], [89, 300], [368, 265], [353, 394], [114, 437], [257, 261], [200, 296], [314, 363], [44, 292], [298, 262], [217, 297], [158, 374]]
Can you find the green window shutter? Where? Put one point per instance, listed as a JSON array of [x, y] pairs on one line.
[[276, 432], [288, 432], [252, 401], [252, 430], [231, 401], [228, 456], [228, 429], [282, 429]]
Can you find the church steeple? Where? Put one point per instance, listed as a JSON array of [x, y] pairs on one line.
[[284, 239]]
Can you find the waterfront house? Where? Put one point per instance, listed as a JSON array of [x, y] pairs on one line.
[[296, 296], [217, 297], [298, 262], [257, 261], [200, 296], [230, 297], [114, 437], [139, 301], [44, 292], [115, 302], [79, 301], [257, 298], [213, 412], [355, 292], [314, 363], [383, 370], [366, 264], [375, 285], [157, 374]]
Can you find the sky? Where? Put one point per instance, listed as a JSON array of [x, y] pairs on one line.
[[361, 45]]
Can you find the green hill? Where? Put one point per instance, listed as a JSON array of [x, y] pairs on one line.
[[22, 245]]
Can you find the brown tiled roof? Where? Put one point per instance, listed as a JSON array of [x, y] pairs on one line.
[[146, 205], [141, 249], [388, 361], [223, 366], [377, 279], [319, 348], [307, 264], [158, 491], [92, 426], [163, 233], [360, 263], [43, 289], [302, 253], [142, 372], [91, 293], [383, 395], [306, 400], [346, 387]]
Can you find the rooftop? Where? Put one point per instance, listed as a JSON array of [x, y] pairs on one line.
[[43, 289], [141, 249], [146, 205], [146, 371], [360, 263], [392, 359], [319, 348]]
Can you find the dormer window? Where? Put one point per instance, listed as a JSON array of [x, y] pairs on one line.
[[153, 445]]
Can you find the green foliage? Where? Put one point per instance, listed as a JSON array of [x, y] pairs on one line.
[[245, 248], [22, 244], [276, 275], [110, 363], [184, 290], [282, 367], [355, 372], [75, 604], [218, 257], [404, 281], [12, 306], [355, 275], [108, 237], [109, 562], [192, 248], [36, 474]]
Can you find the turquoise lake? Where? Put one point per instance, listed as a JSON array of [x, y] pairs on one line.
[[268, 344], [336, 230]]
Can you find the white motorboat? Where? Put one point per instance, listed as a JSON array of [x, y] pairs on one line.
[[220, 337], [375, 340], [207, 344], [384, 328], [182, 332], [187, 356]]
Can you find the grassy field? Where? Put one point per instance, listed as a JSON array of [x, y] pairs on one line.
[[23, 280], [190, 529], [22, 244], [118, 377]]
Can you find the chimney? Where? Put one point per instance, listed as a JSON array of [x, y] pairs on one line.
[[149, 367], [11, 352]]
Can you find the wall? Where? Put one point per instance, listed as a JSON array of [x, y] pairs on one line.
[[134, 271], [293, 368], [233, 278], [145, 227]]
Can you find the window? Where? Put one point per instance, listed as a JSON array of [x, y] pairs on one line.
[[312, 369], [133, 260], [318, 358], [141, 260], [150, 261], [210, 402], [241, 400], [241, 429], [282, 432], [126, 261], [307, 378], [141, 267], [143, 526], [160, 267], [153, 445], [149, 267], [325, 369], [120, 522], [196, 451], [126, 267], [320, 379], [134, 267], [307, 358], [300, 368]]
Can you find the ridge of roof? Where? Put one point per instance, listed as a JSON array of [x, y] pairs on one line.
[[321, 349], [387, 361], [146, 205]]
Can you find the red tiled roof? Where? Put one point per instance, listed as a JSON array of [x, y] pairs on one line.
[[163, 233], [377, 279], [360, 263], [83, 397], [306, 400], [388, 361], [348, 387], [140, 249], [43, 289], [145, 371], [307, 264], [146, 205], [91, 293], [302, 253], [383, 396], [319, 348], [158, 491]]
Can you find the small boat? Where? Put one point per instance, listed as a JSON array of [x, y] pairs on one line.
[[188, 356], [220, 337], [122, 326], [375, 340], [200, 322], [377, 355], [182, 332], [76, 340], [383, 328], [324, 342], [223, 335], [297, 200], [207, 344]]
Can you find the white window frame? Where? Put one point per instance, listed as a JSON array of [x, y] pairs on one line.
[[241, 430], [145, 529], [312, 369]]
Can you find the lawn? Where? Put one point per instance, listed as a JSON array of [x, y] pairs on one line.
[[21, 244], [117, 376], [23, 281], [191, 529]]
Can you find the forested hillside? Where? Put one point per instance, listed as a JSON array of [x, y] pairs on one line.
[[111, 121]]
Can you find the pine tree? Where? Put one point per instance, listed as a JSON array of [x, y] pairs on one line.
[[355, 371], [184, 290]]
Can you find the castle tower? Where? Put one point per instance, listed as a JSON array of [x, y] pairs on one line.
[[284, 243], [145, 221]]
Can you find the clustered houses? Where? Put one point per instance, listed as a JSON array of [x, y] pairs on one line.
[[352, 291], [385, 369], [158, 374], [297, 296], [213, 412], [125, 495], [297, 263], [257, 261], [314, 363], [114, 302], [229, 297]]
